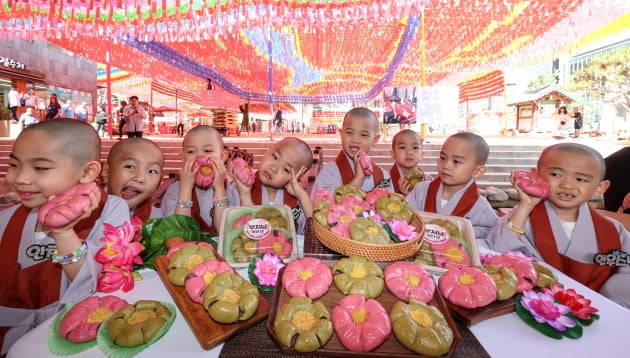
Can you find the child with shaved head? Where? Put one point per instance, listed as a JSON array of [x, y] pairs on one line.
[[454, 192], [359, 133], [277, 181], [563, 229], [133, 171], [44, 267]]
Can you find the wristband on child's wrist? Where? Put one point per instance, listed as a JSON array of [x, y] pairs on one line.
[[221, 202], [184, 204], [514, 229], [72, 257]]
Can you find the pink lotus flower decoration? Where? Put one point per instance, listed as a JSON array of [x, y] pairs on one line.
[[267, 269], [121, 250], [544, 309], [113, 278], [402, 230], [579, 305], [121, 247]]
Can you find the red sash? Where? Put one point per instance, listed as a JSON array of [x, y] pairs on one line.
[[143, 211], [464, 205], [196, 214], [38, 285], [394, 173], [347, 174], [591, 275], [288, 199]]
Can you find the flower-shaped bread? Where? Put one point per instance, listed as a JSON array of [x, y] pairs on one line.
[[138, 323], [230, 298], [369, 231], [468, 287], [303, 325], [274, 216], [421, 328], [201, 275], [409, 280], [357, 275], [394, 206], [184, 259], [307, 277]]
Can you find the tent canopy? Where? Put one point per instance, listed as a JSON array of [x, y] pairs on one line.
[[313, 51]]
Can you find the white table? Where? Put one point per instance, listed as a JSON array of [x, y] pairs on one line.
[[504, 336]]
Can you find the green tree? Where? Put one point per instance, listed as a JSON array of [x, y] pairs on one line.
[[607, 77]]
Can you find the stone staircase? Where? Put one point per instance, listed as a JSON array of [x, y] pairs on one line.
[[502, 160]]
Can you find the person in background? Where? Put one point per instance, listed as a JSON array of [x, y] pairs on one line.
[[44, 268], [27, 118], [66, 110], [134, 115], [101, 120], [54, 108], [121, 119], [80, 112], [564, 230], [14, 102], [454, 192], [577, 119]]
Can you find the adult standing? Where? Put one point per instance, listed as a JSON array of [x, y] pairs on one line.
[[121, 119], [80, 112], [277, 124], [617, 196], [54, 108], [577, 119], [27, 118], [14, 102], [30, 98], [66, 110], [134, 114], [101, 120]]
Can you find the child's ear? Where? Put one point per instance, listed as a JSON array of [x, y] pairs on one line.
[[602, 187], [376, 138], [104, 173], [479, 171], [90, 171]]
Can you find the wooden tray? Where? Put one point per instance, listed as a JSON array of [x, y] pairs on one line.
[[208, 332], [390, 348], [471, 317]]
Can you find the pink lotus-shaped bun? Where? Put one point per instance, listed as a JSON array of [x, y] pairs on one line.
[[361, 325], [468, 287], [307, 277], [323, 194], [365, 162], [81, 322], [205, 174], [201, 275], [177, 247], [67, 207], [243, 172], [277, 242], [372, 196], [522, 267], [339, 217], [409, 280], [241, 221], [532, 183]]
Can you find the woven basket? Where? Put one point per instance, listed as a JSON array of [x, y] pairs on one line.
[[373, 252]]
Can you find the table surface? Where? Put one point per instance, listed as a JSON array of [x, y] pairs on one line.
[[504, 336]]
